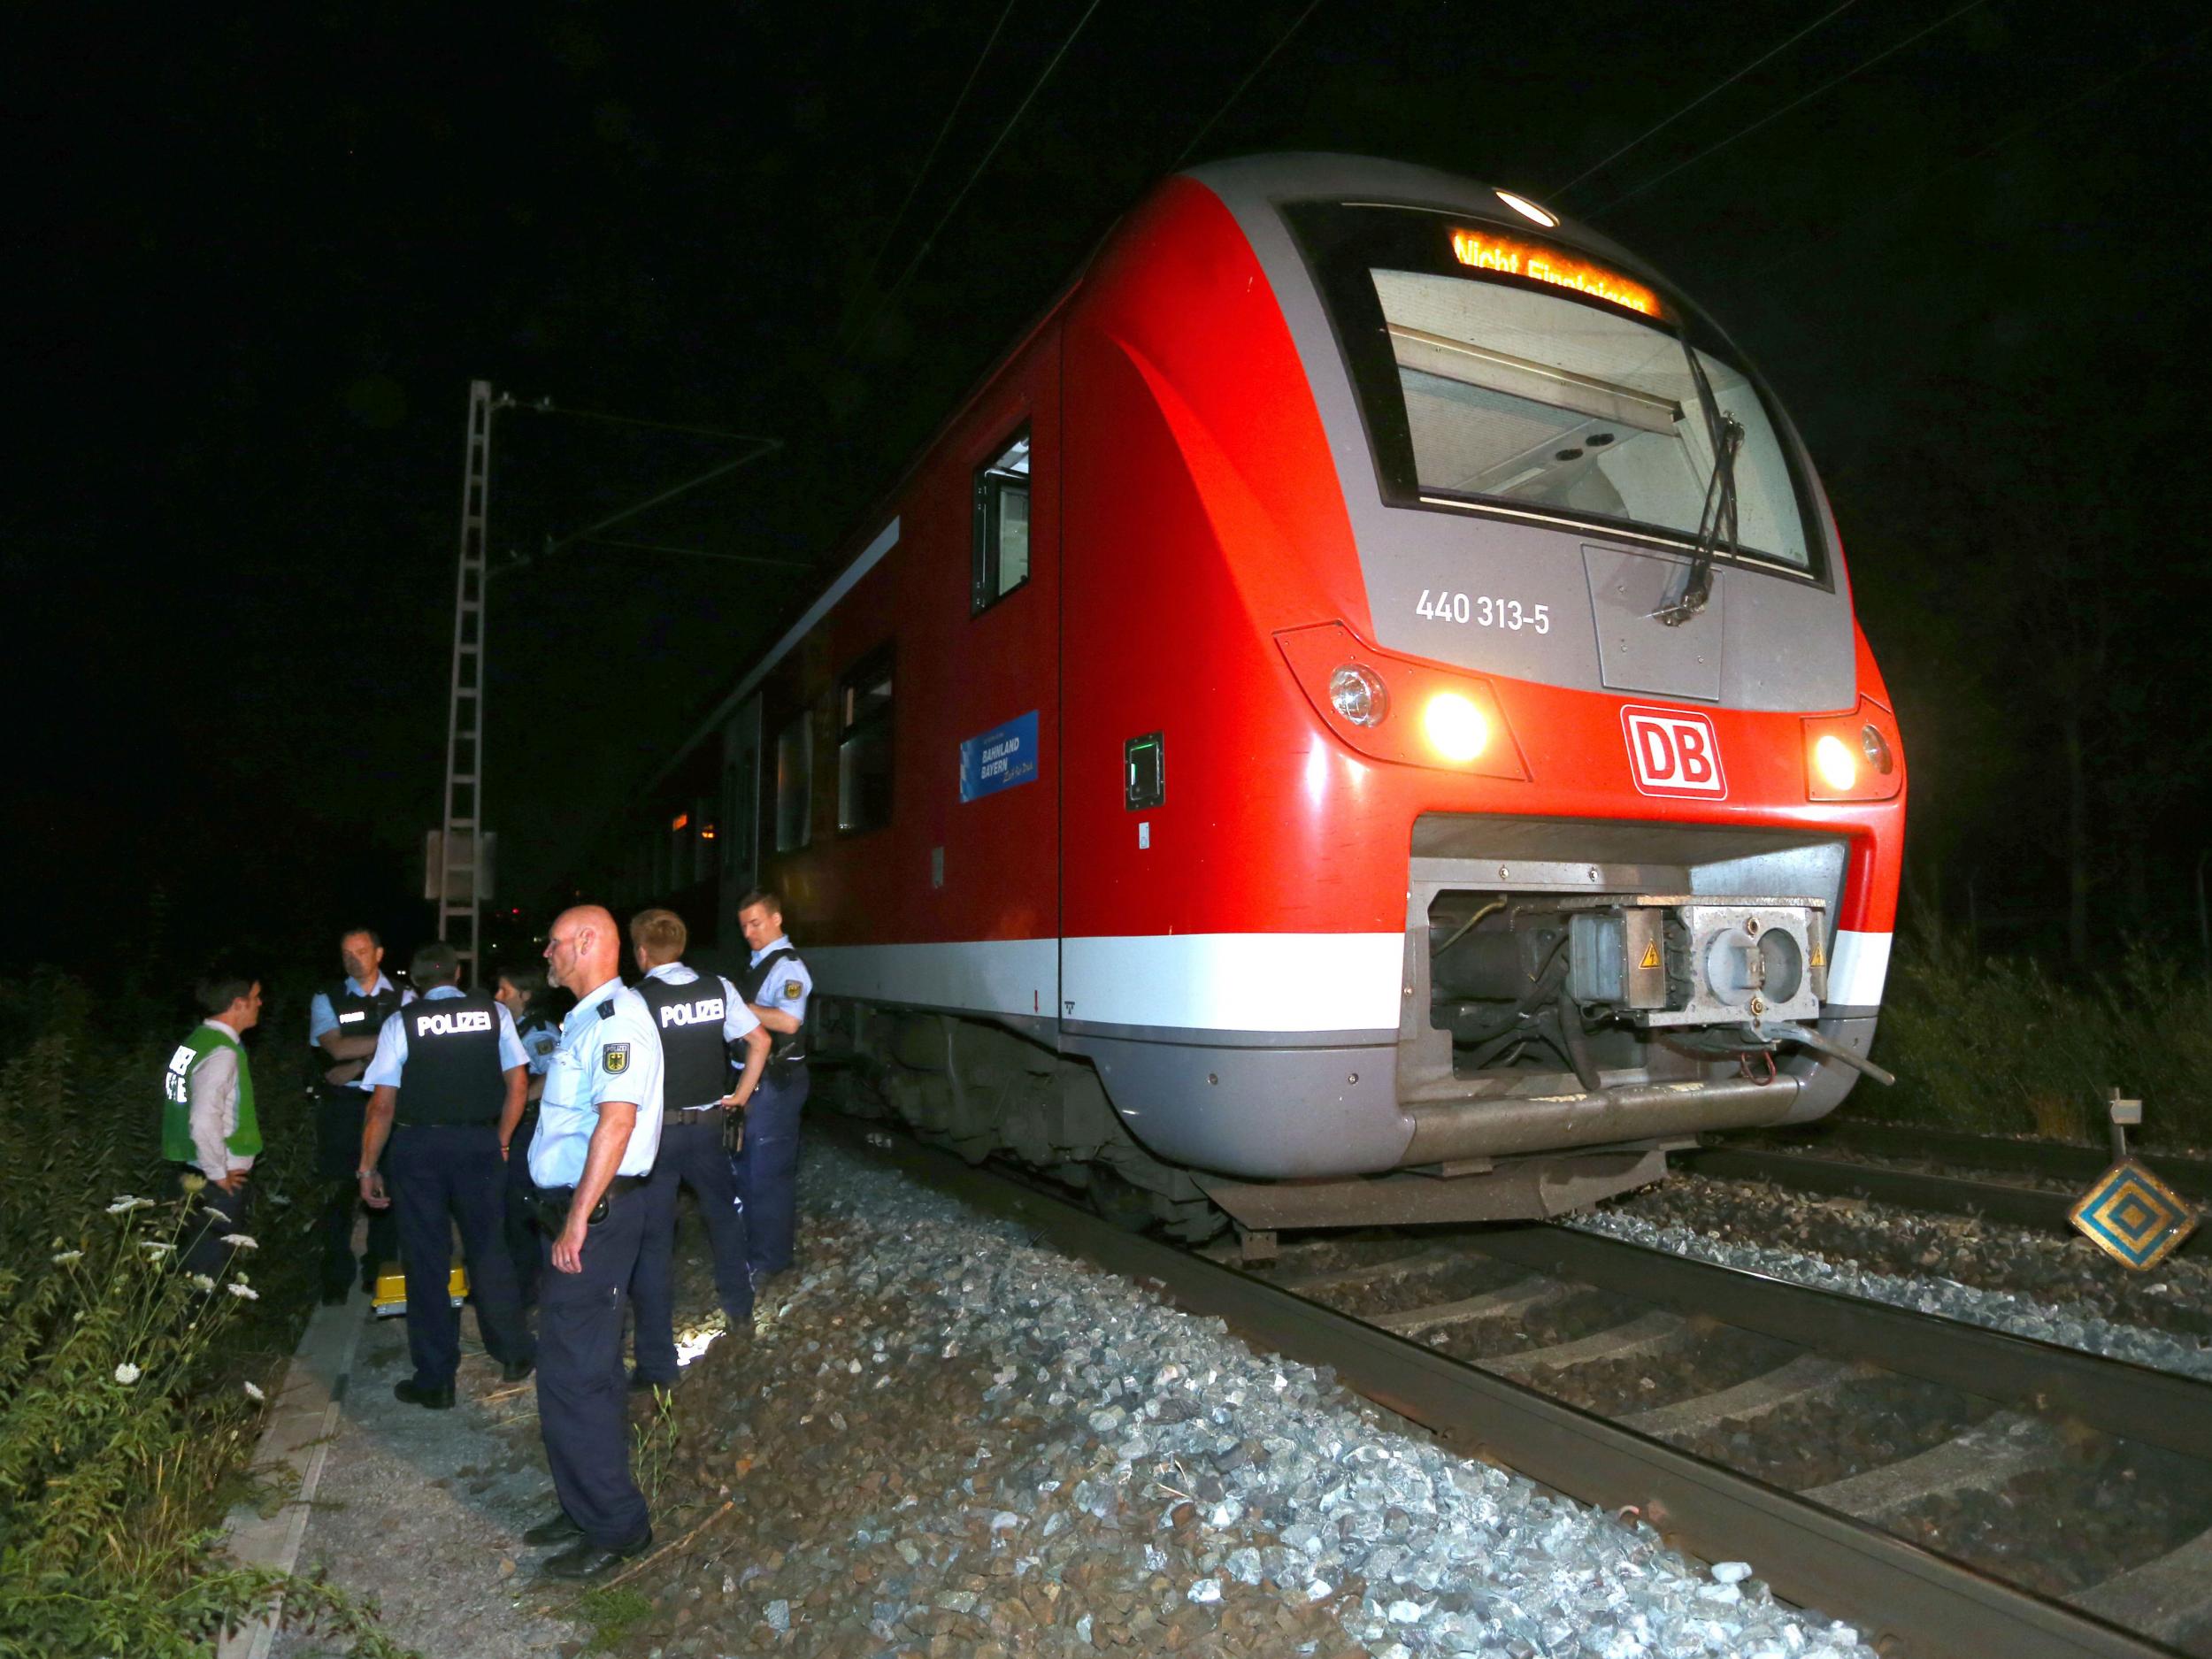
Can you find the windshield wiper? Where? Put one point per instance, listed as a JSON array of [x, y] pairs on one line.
[[1717, 521]]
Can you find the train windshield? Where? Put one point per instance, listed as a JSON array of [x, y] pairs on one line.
[[1498, 372]]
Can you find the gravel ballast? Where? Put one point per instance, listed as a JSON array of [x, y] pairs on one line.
[[2025, 1283], [942, 1439]]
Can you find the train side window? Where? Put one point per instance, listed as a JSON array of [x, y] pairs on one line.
[[1001, 524], [794, 782], [863, 745]]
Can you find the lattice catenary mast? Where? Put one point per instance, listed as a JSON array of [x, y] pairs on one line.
[[458, 860]]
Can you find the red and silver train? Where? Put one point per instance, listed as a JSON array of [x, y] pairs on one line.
[[1358, 717]]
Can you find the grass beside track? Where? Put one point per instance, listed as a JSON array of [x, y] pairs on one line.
[[2002, 1046], [131, 1397]]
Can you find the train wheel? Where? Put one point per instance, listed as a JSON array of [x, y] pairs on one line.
[[1119, 1201]]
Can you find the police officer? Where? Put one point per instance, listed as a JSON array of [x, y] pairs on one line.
[[522, 993], [207, 1117], [599, 1124], [698, 1019], [342, 1025], [447, 1082], [776, 986]]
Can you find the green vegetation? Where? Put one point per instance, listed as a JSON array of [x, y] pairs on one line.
[[612, 1613], [653, 1445], [131, 1394], [2001, 1045]]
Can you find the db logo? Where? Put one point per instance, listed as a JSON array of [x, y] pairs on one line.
[[1674, 752]]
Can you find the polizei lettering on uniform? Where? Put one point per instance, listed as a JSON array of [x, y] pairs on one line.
[[706, 1010], [449, 1025]]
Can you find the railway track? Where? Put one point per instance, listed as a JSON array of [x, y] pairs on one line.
[[1905, 1178], [1945, 1533]]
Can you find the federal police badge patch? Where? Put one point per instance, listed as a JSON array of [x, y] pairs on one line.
[[792, 987], [616, 1058]]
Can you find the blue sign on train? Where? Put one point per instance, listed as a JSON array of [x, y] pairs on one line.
[[1004, 757]]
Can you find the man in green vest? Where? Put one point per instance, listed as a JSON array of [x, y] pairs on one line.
[[207, 1126]]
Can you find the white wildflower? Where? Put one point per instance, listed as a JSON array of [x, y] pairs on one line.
[[246, 1291], [68, 1256], [202, 1282], [154, 1247], [242, 1241], [253, 1393], [127, 1373], [124, 1203]]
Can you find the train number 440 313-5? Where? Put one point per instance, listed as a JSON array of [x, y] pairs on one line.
[[1482, 610]]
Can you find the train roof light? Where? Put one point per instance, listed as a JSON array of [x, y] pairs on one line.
[[1528, 210], [1454, 726]]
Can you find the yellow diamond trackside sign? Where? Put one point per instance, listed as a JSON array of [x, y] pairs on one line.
[[2132, 1216]]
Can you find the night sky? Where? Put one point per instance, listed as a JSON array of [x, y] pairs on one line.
[[261, 257]]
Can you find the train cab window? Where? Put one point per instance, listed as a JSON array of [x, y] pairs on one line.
[[795, 783], [1001, 524], [1499, 372], [864, 746]]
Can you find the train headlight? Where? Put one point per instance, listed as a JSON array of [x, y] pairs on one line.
[[1454, 726], [1832, 760], [1852, 757], [1358, 694], [1877, 749]]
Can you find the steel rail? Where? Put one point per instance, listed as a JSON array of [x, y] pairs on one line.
[[2126, 1402], [2027, 1207], [1925, 1606], [2053, 1160]]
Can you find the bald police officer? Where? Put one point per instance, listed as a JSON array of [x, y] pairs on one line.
[[776, 986], [599, 1125], [697, 1019], [447, 1082]]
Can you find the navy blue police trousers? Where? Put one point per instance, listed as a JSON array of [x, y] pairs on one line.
[[767, 1169], [449, 1175], [691, 1156], [583, 1398], [520, 1223]]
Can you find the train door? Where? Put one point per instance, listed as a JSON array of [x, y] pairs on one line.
[[741, 819]]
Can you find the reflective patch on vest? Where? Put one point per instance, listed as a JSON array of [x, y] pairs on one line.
[[347, 1020], [452, 1024], [616, 1058], [173, 1085], [698, 1013]]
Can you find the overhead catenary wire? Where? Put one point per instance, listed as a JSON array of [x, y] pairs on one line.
[[2095, 89], [1710, 93], [944, 219], [1794, 103], [1258, 69], [958, 103], [547, 406], [696, 553]]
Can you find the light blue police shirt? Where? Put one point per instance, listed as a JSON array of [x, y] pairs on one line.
[[544, 1038], [391, 1042], [322, 1017], [608, 1051], [788, 987]]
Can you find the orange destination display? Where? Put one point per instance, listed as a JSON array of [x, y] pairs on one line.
[[1485, 250]]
